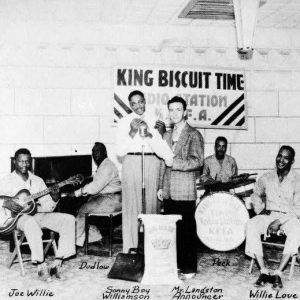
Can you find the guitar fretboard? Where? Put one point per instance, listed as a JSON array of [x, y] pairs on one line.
[[48, 190]]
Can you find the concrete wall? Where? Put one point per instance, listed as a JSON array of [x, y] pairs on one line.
[[56, 79]]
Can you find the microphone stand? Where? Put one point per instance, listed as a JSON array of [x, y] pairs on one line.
[[140, 246], [143, 181]]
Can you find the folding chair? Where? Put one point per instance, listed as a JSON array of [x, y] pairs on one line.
[[17, 257], [277, 243]]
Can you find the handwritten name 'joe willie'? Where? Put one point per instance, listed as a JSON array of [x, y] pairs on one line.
[[30, 293]]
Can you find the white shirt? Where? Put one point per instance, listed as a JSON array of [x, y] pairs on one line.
[[11, 184], [176, 133], [280, 196], [125, 143]]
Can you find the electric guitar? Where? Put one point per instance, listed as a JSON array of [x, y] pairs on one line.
[[8, 219]]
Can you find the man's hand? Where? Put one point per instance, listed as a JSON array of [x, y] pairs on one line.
[[159, 195], [206, 179], [12, 206], [68, 194], [161, 127], [54, 192], [169, 162], [134, 126], [274, 227]]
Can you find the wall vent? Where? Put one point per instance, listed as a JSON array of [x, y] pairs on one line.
[[209, 9]]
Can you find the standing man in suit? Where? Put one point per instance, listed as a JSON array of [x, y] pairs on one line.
[[178, 183]]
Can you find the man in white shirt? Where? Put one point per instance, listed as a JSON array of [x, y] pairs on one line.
[[276, 201], [104, 194], [129, 145], [64, 224]]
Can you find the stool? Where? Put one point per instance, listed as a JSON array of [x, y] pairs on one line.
[[104, 220], [19, 237], [280, 246]]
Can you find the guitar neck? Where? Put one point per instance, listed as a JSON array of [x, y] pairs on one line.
[[47, 190]]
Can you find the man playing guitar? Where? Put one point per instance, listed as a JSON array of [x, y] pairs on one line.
[[64, 224]]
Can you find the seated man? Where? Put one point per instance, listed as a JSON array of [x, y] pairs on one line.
[[64, 224], [280, 211], [104, 192], [220, 166]]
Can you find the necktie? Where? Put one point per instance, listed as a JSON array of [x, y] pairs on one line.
[[175, 134], [174, 137]]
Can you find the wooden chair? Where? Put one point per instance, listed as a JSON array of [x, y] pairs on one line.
[[17, 257], [103, 220], [277, 243]]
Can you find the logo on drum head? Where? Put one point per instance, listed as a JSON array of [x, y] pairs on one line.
[[221, 219]]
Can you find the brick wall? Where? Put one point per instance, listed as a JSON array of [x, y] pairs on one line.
[[56, 79]]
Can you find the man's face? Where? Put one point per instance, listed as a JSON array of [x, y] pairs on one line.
[[176, 112], [284, 160], [137, 103], [23, 163], [96, 154], [220, 149]]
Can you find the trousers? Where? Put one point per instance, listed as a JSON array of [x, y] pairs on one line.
[[132, 194], [258, 225], [105, 203], [186, 233], [63, 224]]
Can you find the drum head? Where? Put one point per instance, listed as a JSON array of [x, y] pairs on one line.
[[221, 218]]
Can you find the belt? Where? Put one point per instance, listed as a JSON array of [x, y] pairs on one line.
[[269, 211], [140, 153], [105, 194]]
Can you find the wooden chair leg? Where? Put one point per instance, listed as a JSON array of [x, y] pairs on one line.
[[49, 244], [110, 234], [18, 251], [87, 227], [292, 267], [14, 253], [53, 243], [251, 265]]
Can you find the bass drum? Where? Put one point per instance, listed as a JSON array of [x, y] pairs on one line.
[[221, 219]]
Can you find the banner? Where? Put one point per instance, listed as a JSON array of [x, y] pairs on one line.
[[215, 97]]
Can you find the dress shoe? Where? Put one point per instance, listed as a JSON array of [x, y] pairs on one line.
[[44, 275], [188, 275], [276, 282], [55, 271], [262, 280]]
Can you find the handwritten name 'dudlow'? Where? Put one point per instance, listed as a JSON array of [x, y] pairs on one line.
[[31, 293], [94, 266]]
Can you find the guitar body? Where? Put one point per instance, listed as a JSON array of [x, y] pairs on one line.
[[8, 219]]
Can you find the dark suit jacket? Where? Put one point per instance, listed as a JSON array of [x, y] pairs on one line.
[[179, 181]]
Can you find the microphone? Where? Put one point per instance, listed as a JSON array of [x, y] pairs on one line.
[[143, 130]]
